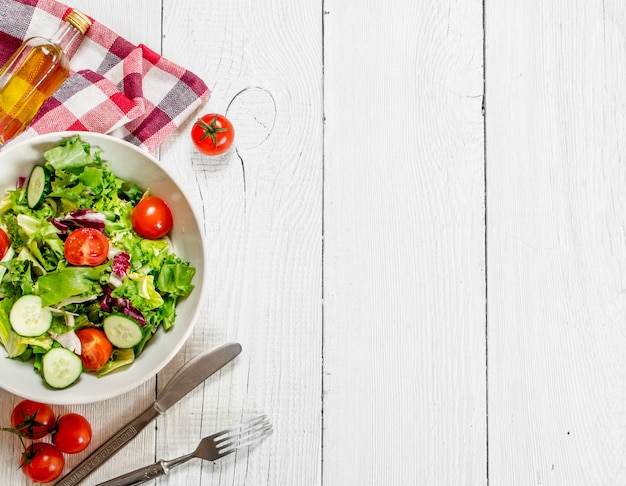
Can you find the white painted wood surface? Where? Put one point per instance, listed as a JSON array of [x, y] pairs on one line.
[[556, 197], [404, 286], [425, 293]]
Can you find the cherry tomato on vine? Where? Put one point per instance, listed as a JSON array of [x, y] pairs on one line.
[[42, 462], [96, 349], [73, 433], [86, 246], [33, 419], [5, 244], [213, 134], [152, 218]]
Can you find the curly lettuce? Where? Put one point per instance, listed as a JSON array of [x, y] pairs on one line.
[[143, 279]]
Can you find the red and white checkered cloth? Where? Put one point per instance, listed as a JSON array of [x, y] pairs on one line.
[[115, 87]]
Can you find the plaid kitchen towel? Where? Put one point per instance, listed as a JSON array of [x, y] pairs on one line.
[[115, 87]]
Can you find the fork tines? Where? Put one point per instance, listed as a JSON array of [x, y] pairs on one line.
[[243, 435]]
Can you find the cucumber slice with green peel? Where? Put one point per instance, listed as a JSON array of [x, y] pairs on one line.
[[28, 318], [61, 367], [38, 186], [123, 332]]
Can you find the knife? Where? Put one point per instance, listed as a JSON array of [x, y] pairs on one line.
[[186, 379]]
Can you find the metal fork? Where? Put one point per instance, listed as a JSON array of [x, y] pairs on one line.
[[211, 448]]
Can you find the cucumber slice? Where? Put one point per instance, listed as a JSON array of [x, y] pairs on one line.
[[28, 318], [61, 367], [38, 186], [122, 331]]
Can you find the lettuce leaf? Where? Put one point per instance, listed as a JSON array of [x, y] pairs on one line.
[[92, 179], [119, 358], [70, 154], [55, 287], [9, 339], [19, 280], [139, 289], [176, 279]]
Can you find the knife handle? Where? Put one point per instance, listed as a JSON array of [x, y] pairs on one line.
[[139, 476], [110, 447]]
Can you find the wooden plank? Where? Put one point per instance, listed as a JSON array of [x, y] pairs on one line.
[[404, 275], [262, 211], [556, 205]]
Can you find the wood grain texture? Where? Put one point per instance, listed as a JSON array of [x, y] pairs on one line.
[[556, 248], [404, 320], [262, 212], [139, 24]]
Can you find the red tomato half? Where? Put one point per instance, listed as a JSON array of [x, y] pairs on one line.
[[86, 246], [73, 433], [42, 462], [33, 419], [96, 349], [213, 134], [5, 244], [152, 218]]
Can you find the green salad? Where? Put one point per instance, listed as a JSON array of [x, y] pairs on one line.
[[80, 289]]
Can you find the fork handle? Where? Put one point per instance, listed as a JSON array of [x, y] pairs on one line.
[[139, 476]]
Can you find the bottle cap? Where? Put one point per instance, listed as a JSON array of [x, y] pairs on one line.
[[78, 20]]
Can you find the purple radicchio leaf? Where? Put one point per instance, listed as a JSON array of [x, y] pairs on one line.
[[61, 226], [135, 313], [80, 218], [120, 304], [21, 182], [107, 302], [121, 264]]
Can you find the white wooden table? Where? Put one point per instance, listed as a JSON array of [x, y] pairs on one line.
[[425, 261]]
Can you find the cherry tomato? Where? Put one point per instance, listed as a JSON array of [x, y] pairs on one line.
[[5, 244], [42, 462], [152, 218], [213, 134], [73, 433], [96, 349], [33, 419], [86, 246]]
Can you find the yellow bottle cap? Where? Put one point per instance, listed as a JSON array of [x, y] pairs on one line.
[[78, 20]]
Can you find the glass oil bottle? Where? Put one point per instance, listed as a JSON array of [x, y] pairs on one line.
[[34, 72]]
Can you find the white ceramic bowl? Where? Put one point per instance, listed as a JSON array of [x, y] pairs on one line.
[[136, 165]]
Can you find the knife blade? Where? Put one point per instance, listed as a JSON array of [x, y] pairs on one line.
[[186, 379]]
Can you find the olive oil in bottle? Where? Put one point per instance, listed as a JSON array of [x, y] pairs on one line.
[[34, 72]]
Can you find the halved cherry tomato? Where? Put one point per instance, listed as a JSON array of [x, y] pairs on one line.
[[33, 419], [213, 134], [42, 462], [152, 218], [86, 246], [73, 433], [5, 244], [96, 349]]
